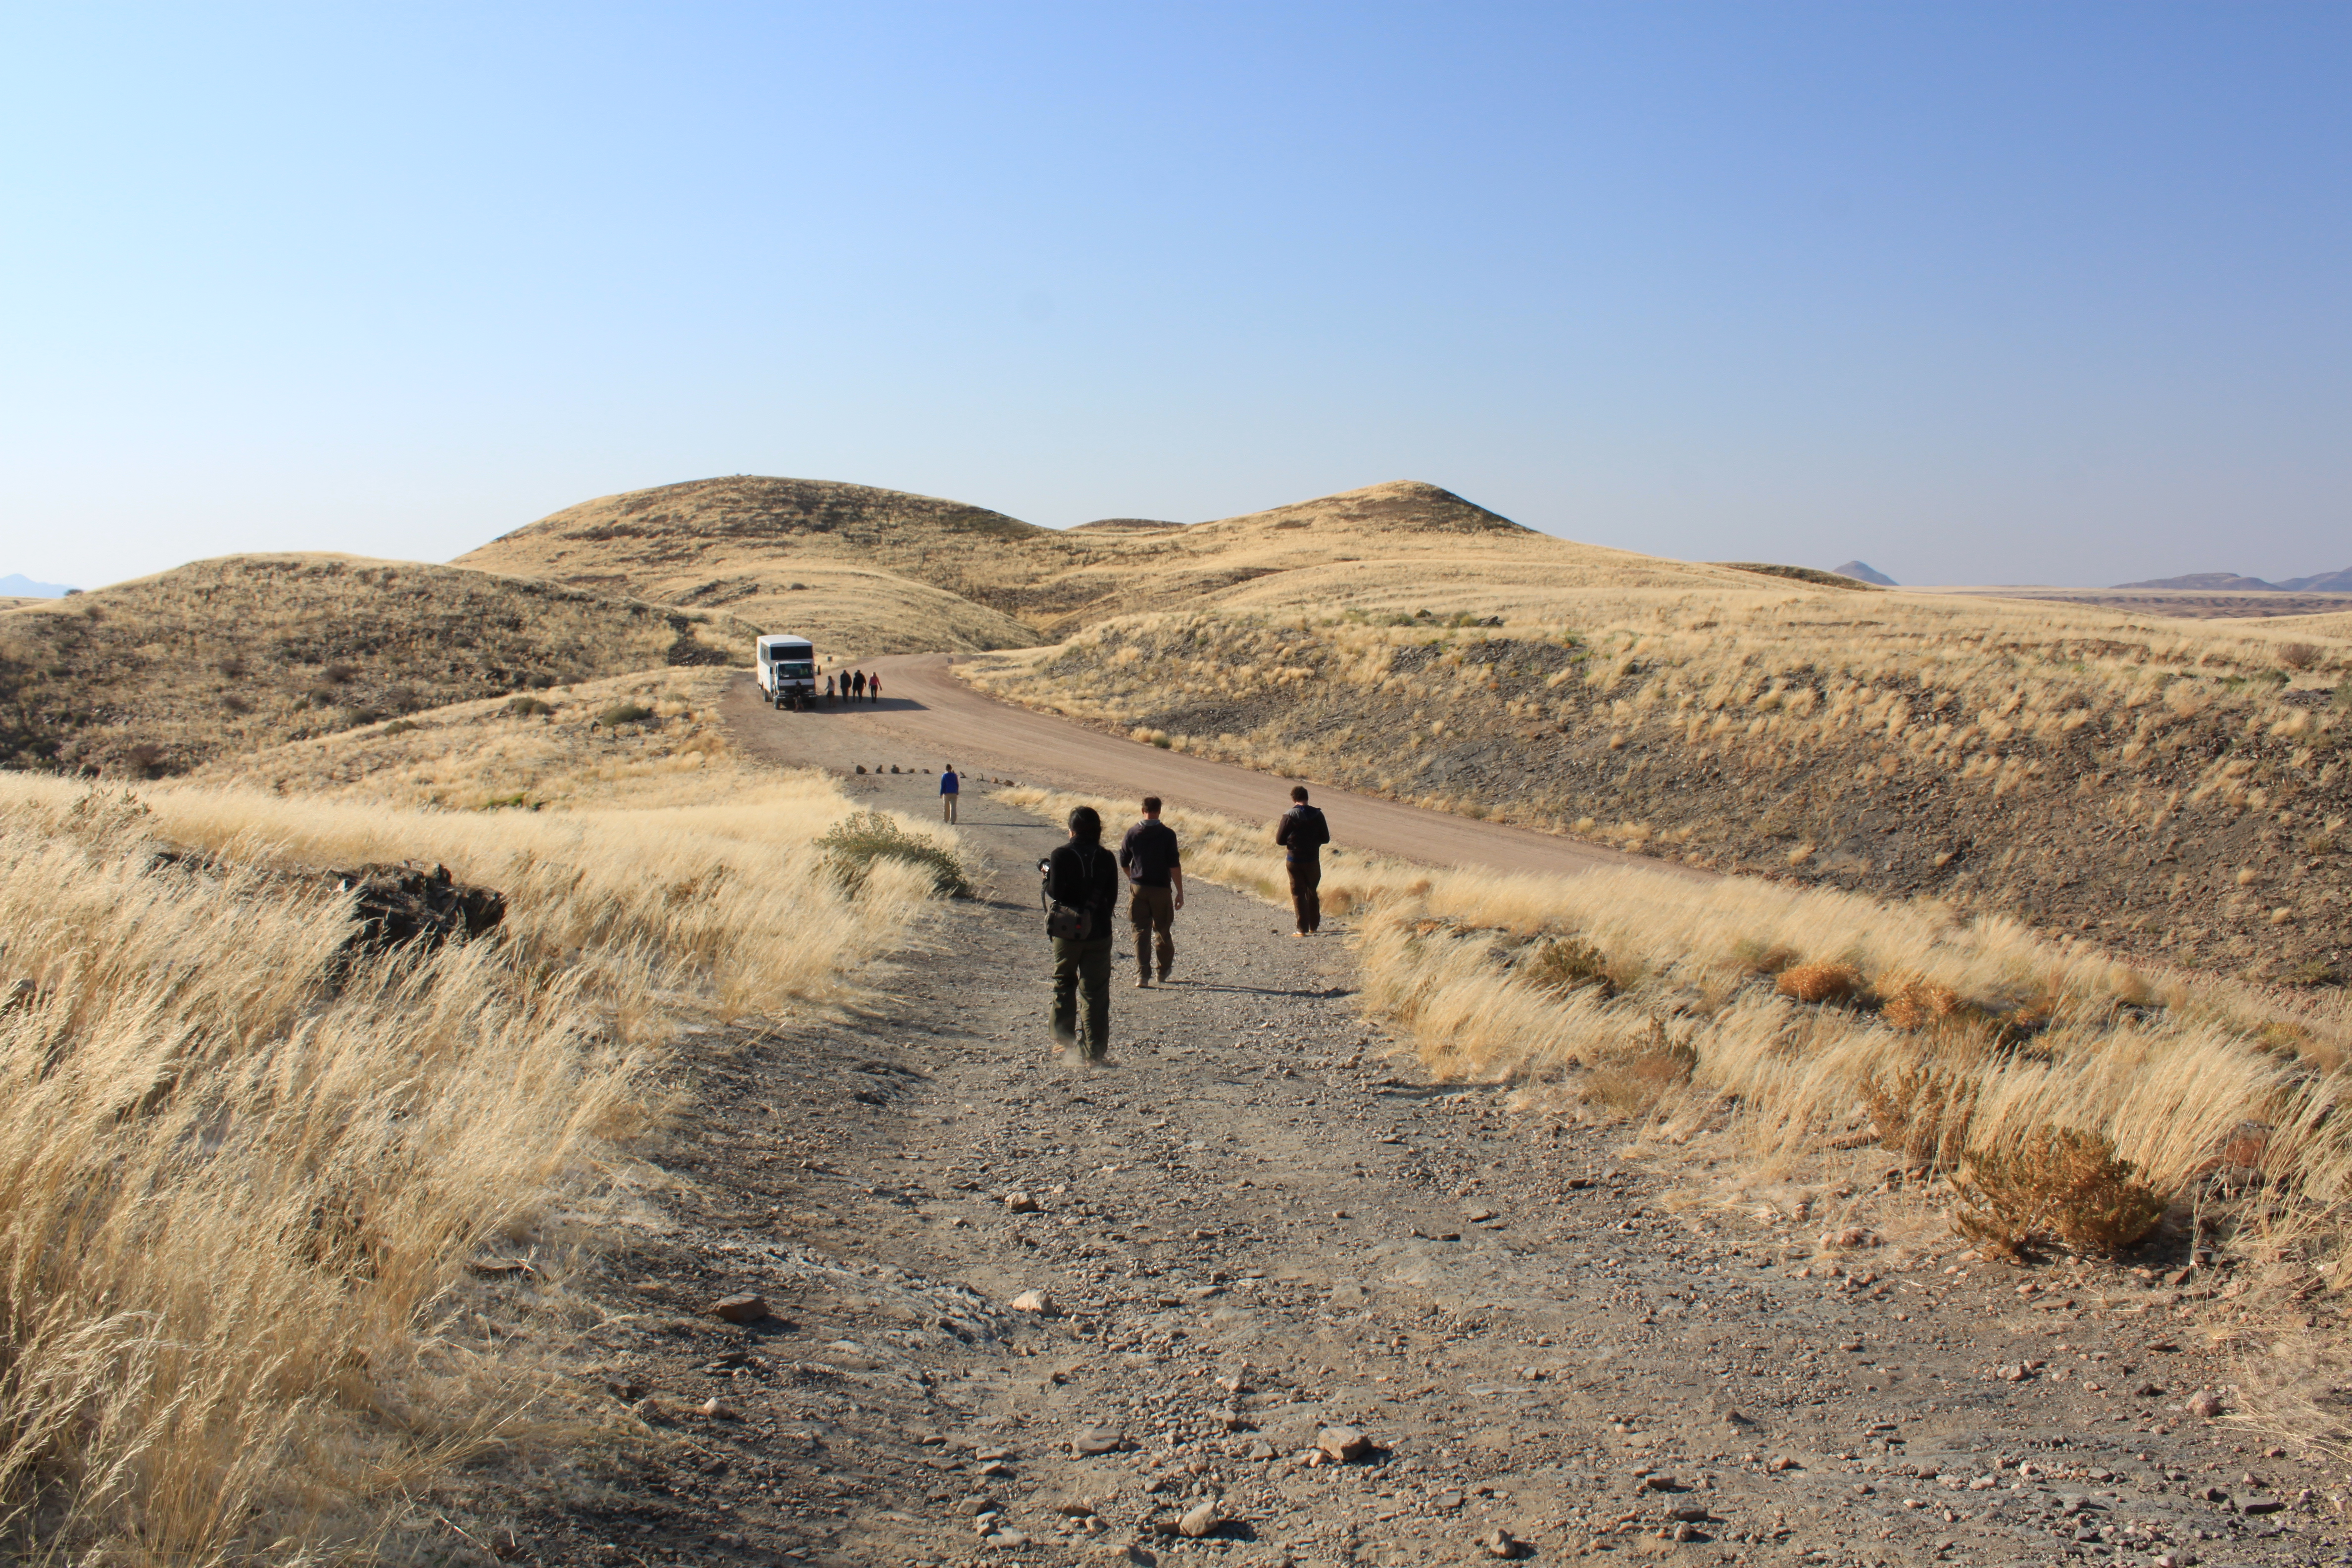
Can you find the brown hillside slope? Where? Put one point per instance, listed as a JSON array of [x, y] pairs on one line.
[[157, 675], [938, 574], [2183, 787]]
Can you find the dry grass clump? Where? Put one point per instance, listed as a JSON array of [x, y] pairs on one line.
[[241, 1182], [1819, 981], [2057, 1183], [1923, 1110]]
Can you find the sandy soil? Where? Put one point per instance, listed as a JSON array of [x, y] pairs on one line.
[[927, 719], [1262, 1222]]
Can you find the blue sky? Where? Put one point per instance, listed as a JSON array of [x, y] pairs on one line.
[[1977, 292]]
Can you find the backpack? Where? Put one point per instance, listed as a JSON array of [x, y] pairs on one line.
[[1063, 923]]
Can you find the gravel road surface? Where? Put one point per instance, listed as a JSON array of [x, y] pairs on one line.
[[928, 717], [1294, 1297]]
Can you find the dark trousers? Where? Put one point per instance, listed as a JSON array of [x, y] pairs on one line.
[[1153, 910], [1086, 963], [1305, 877]]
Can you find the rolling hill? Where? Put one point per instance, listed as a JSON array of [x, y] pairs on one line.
[[877, 571], [158, 675]]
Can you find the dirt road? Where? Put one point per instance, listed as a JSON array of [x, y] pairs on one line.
[[1260, 1224], [928, 718]]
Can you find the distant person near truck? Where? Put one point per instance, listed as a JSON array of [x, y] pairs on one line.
[[951, 786], [1155, 875], [1302, 833], [874, 687]]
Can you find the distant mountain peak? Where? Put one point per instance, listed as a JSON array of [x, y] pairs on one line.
[[2208, 583], [1863, 572], [16, 585]]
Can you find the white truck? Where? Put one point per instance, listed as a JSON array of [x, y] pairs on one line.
[[788, 672]]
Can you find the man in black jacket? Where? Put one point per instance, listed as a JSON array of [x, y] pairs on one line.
[[1084, 875], [1152, 863], [1302, 833]]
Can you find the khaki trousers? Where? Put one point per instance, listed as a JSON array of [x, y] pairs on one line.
[[947, 806], [1153, 910]]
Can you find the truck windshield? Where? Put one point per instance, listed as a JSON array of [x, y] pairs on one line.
[[796, 671]]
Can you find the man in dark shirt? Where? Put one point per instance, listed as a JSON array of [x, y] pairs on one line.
[[1302, 833], [1084, 875], [1155, 873]]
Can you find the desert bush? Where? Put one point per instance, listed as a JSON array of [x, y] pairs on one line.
[[2298, 656], [1923, 1111], [1632, 1083], [2056, 1182], [1819, 981], [1912, 1002], [1566, 963], [2313, 971], [625, 713], [528, 708], [854, 846], [338, 674]]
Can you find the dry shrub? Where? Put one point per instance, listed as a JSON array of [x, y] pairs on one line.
[[2298, 656], [1915, 1003], [1633, 1083], [1819, 981], [1923, 1111], [2057, 1183], [1570, 965]]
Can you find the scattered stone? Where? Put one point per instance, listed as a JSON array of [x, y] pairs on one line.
[[1089, 1440], [743, 1307], [1654, 1482], [1343, 1443], [1021, 1203], [1502, 1543], [1850, 1237], [1037, 1301], [1201, 1520], [1694, 1511], [716, 1411], [2205, 1404]]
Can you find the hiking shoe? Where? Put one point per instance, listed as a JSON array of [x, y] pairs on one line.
[[1143, 982], [1163, 977]]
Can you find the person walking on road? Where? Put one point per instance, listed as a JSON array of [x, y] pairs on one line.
[[1081, 891], [858, 683], [874, 687], [1302, 833], [828, 691], [949, 787], [1155, 875]]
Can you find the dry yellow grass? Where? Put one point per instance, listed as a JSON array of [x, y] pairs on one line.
[[1631, 994], [238, 1197]]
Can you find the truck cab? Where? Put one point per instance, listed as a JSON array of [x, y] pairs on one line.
[[788, 672]]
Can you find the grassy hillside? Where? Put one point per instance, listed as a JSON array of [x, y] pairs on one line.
[[2181, 787], [871, 571], [156, 676]]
